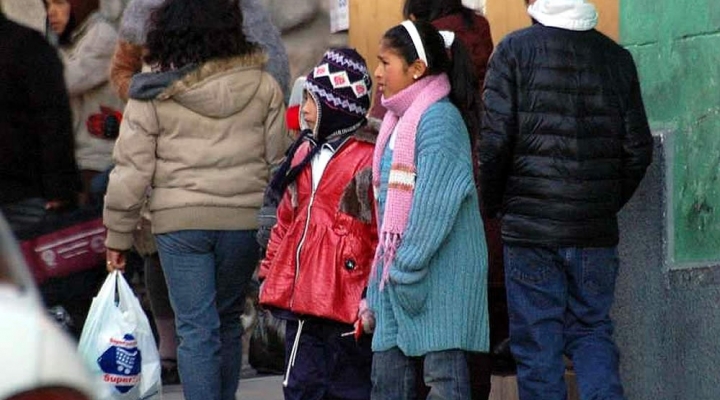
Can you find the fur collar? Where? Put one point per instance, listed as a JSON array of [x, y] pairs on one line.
[[211, 68], [366, 134]]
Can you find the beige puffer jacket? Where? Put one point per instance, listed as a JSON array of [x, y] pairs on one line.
[[204, 140]]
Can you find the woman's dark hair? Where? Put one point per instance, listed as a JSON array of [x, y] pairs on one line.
[[430, 10], [457, 65], [184, 32]]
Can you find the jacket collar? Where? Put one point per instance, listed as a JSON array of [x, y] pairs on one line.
[[335, 142], [163, 85], [255, 59]]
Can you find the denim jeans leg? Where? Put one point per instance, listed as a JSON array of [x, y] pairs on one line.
[[588, 328], [446, 374], [393, 376], [536, 293], [236, 255], [188, 260]]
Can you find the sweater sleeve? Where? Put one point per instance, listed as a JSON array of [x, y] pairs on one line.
[[134, 158], [499, 127], [89, 66], [444, 181]]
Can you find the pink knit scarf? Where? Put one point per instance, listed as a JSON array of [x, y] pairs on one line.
[[404, 110]]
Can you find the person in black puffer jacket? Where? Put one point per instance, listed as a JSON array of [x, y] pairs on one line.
[[564, 144], [38, 172]]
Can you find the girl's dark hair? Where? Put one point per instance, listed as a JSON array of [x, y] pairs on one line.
[[457, 65], [65, 38], [430, 10], [186, 32], [79, 12]]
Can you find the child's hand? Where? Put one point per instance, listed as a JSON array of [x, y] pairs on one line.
[[366, 320]]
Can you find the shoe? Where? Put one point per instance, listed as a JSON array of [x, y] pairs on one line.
[[169, 373]]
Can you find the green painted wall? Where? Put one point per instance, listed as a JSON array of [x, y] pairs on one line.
[[677, 49]]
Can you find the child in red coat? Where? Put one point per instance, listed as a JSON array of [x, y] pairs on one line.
[[321, 249]]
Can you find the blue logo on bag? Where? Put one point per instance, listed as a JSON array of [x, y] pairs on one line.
[[121, 363]]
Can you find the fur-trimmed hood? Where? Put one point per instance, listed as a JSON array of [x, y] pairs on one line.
[[112, 10], [135, 20], [216, 88]]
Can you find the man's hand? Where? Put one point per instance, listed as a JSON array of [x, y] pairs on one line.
[[115, 260]]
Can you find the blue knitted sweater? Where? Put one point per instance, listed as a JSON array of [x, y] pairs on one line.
[[436, 298]]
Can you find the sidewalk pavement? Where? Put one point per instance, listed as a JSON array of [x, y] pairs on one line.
[[256, 388], [270, 388]]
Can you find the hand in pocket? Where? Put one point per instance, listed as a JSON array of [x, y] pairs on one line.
[[411, 290]]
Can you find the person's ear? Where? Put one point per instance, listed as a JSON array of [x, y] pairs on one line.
[[418, 69]]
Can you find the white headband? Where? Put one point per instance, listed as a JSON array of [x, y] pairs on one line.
[[417, 42]]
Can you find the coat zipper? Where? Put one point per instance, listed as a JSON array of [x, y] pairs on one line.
[[302, 239], [307, 221]]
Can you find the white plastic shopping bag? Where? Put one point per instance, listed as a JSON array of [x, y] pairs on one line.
[[118, 345]]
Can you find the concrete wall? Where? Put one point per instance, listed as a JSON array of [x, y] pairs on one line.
[[668, 299], [641, 309], [667, 320], [677, 48]]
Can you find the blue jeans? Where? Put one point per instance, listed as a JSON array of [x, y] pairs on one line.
[[559, 303], [206, 273], [444, 372]]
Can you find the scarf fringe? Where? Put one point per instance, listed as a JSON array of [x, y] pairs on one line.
[[385, 255]]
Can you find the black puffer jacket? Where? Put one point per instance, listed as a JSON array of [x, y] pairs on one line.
[[565, 140]]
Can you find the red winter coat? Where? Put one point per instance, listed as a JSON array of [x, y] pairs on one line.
[[321, 250]]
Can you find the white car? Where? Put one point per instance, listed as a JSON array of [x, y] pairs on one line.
[[39, 360]]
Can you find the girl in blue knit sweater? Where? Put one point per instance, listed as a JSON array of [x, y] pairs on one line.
[[428, 288]]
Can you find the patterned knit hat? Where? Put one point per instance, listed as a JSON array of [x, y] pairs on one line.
[[340, 85]]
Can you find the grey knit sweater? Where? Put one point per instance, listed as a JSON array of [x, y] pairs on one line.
[[256, 25]]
